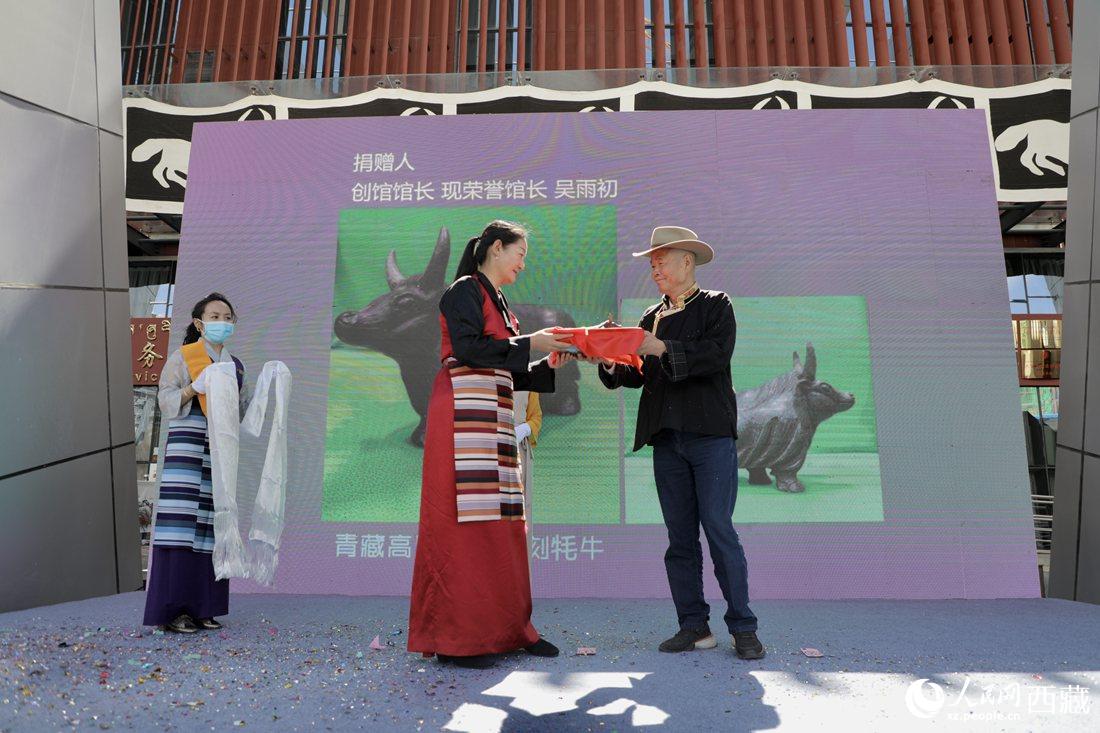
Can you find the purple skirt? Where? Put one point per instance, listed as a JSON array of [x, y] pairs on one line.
[[182, 581]]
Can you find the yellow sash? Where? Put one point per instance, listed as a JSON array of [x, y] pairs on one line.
[[196, 359]]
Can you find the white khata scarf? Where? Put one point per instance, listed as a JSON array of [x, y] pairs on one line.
[[231, 558]]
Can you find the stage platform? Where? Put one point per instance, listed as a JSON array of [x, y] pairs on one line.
[[306, 663]]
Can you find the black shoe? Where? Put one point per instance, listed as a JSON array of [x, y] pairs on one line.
[[480, 661], [209, 623], [687, 640], [747, 645], [542, 648], [182, 624]]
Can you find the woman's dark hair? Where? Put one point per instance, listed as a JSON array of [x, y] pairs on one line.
[[193, 334], [478, 247]]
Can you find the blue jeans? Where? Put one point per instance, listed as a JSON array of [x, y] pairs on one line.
[[697, 484]]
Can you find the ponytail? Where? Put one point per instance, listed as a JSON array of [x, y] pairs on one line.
[[467, 264], [477, 249]]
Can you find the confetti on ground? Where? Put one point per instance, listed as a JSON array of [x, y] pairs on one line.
[[376, 643], [316, 674], [809, 651]]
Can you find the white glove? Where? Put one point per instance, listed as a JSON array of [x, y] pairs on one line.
[[199, 385], [523, 431]]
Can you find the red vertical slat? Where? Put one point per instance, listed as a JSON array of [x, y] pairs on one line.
[[919, 21], [331, 30], [620, 33], [1059, 29], [801, 34], [878, 32], [182, 41], [151, 31], [463, 35], [1021, 42], [404, 43], [581, 36], [368, 54], [901, 40], [559, 62], [219, 50], [940, 33], [839, 38], [521, 39], [348, 66], [142, 51], [425, 30], [539, 58], [760, 34], [230, 41], [658, 38], [446, 33], [639, 33], [538, 34], [718, 17], [791, 13], [202, 42], [740, 34], [601, 40], [238, 47], [821, 34], [679, 34], [311, 42], [292, 53], [1040, 36], [980, 34], [859, 35], [699, 13], [780, 30], [998, 22], [959, 33], [384, 38], [172, 26], [502, 35], [254, 54], [133, 40]]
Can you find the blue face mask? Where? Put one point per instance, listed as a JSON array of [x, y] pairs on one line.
[[216, 332]]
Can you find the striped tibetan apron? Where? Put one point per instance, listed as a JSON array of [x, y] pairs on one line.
[[487, 474], [185, 509]]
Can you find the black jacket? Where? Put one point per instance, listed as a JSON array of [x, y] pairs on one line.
[[690, 387], [461, 306]]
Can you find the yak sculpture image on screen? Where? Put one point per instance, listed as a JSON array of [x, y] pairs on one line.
[[403, 324]]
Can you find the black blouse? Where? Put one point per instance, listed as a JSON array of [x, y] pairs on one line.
[[461, 306], [690, 387]]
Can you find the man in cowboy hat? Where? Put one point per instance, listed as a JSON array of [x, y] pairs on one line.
[[688, 413]]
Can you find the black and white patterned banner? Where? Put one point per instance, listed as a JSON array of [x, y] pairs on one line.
[[1028, 124]]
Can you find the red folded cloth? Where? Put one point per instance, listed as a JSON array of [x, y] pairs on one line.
[[618, 345]]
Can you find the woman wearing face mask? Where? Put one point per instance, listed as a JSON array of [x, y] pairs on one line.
[[182, 594], [471, 591]]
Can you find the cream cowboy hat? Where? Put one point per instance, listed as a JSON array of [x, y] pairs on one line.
[[678, 238]]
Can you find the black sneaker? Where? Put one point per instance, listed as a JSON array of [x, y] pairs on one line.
[[747, 645], [687, 640], [182, 624], [542, 648], [209, 623], [479, 661]]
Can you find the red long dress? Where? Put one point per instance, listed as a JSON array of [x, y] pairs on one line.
[[471, 591]]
